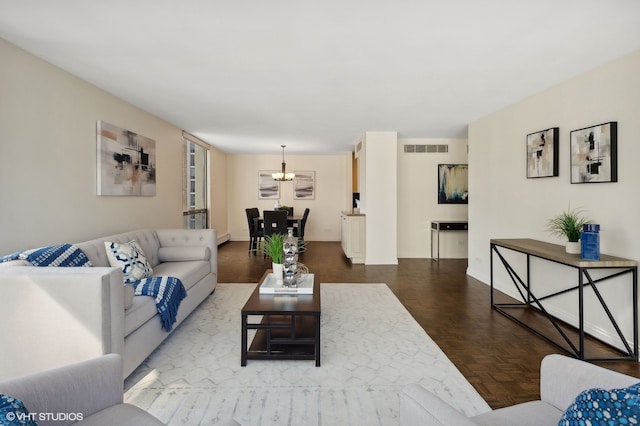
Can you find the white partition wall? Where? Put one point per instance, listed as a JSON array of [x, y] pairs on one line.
[[379, 195]]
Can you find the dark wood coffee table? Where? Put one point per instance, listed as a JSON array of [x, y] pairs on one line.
[[289, 329]]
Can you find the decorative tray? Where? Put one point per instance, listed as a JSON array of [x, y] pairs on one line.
[[273, 286]]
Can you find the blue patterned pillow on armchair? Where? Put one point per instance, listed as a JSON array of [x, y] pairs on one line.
[[13, 412], [604, 407]]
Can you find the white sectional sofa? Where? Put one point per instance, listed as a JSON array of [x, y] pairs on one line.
[[55, 316]]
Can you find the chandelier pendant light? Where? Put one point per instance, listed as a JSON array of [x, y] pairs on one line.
[[283, 175]]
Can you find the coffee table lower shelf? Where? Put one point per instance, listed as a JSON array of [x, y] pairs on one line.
[[284, 337]]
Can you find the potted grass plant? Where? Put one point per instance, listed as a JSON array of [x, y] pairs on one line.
[[568, 224], [274, 248]]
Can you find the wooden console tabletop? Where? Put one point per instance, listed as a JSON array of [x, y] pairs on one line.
[[557, 253]]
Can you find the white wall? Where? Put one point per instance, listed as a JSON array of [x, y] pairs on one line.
[[218, 193], [418, 200], [48, 159], [379, 197], [505, 204], [332, 195]]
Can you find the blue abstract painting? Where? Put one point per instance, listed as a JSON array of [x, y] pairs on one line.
[[453, 184]]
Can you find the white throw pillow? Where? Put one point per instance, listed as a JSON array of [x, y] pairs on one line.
[[130, 258]]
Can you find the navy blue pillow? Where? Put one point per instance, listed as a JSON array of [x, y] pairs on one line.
[[14, 413], [600, 407], [59, 255]]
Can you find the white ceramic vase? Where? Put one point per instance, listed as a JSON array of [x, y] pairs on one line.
[[572, 247], [278, 269]]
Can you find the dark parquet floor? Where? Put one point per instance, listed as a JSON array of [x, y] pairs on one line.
[[500, 358]]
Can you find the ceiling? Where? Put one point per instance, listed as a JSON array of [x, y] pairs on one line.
[[250, 75]]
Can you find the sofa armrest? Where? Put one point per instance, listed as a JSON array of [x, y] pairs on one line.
[[191, 238], [562, 378], [418, 406], [58, 316], [80, 388]]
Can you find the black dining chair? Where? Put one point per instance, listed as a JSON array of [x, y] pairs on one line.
[[275, 222], [255, 233], [303, 223]]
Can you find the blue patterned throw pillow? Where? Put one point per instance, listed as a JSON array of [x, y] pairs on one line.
[[600, 407], [13, 412], [10, 257], [130, 258], [59, 255]]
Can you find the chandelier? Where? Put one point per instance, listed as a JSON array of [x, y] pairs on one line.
[[283, 175]]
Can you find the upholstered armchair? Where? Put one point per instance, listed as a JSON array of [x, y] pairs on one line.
[[561, 380]]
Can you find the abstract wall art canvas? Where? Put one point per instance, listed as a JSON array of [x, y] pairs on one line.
[[453, 184], [304, 185], [126, 162], [268, 188], [594, 154], [542, 153]]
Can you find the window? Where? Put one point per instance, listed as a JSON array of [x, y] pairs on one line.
[[194, 197]]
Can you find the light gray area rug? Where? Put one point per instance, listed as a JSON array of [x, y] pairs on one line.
[[371, 348]]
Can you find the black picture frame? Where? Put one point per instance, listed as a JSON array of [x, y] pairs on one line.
[[543, 153], [594, 153]]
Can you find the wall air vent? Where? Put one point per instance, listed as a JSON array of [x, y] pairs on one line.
[[431, 148]]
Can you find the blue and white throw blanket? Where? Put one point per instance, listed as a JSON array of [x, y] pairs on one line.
[[65, 254], [168, 292]]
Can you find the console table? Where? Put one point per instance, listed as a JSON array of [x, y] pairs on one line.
[[610, 266], [445, 225]]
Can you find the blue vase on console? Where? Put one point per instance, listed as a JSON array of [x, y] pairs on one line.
[[590, 241]]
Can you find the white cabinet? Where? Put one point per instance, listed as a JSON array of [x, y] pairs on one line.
[[353, 234]]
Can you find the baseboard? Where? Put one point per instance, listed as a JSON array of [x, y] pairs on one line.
[[478, 275], [223, 238], [381, 261]]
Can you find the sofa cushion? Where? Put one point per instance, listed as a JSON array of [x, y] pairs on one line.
[[129, 294], [121, 415], [142, 309], [189, 272], [614, 406], [146, 238], [534, 413], [130, 258], [13, 412], [177, 254]]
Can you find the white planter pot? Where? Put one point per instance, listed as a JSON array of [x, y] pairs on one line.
[[572, 247], [278, 270]]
